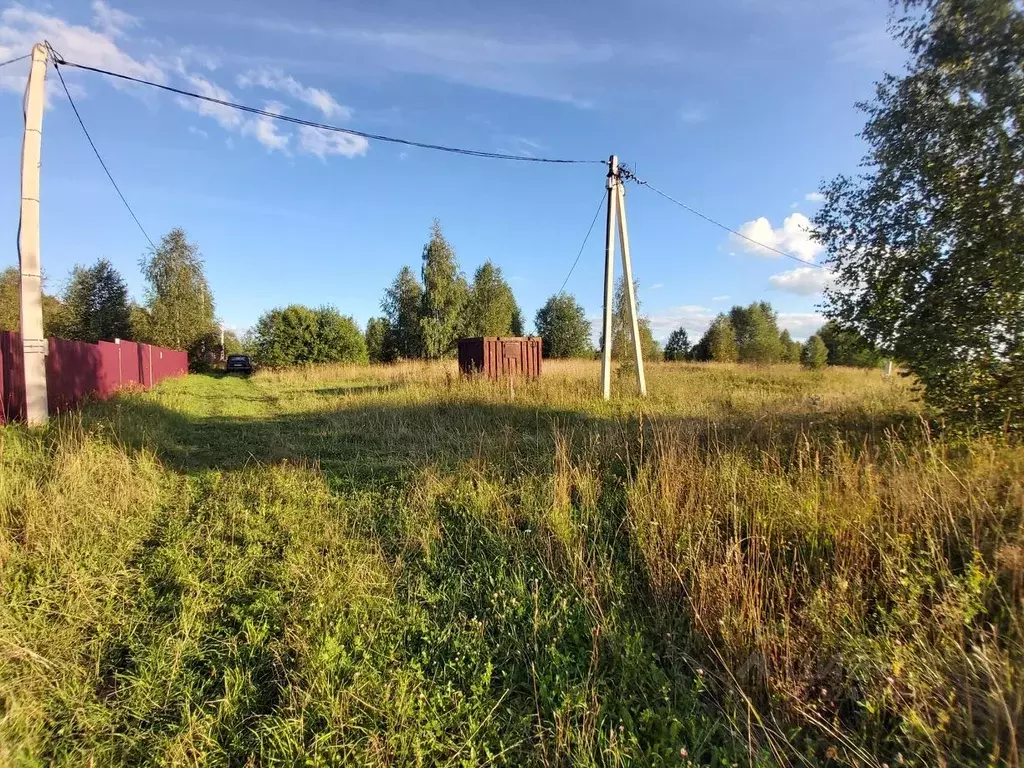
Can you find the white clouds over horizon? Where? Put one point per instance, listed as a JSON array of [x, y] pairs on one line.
[[793, 237], [803, 281]]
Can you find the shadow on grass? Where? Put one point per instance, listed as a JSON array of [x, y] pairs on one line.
[[384, 441]]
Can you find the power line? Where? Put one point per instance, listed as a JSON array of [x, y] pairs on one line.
[[600, 205], [628, 174], [323, 126], [15, 59], [98, 157]]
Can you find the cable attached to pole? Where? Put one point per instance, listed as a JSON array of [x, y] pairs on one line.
[[626, 173], [600, 205], [15, 59], [92, 144], [323, 126]]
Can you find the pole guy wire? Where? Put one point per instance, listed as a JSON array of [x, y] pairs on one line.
[[324, 126], [97, 153], [600, 205], [628, 174]]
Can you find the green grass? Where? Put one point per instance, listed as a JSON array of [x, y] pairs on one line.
[[395, 566]]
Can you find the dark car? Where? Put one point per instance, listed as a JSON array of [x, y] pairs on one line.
[[239, 364]]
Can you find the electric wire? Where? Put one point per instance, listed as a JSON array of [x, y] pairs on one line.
[[15, 59], [600, 205], [100, 158], [59, 60], [628, 174]]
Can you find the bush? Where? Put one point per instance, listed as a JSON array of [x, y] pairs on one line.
[[296, 334], [815, 353]]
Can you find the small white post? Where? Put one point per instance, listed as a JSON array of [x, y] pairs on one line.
[[32, 338], [627, 275], [609, 277], [888, 368]]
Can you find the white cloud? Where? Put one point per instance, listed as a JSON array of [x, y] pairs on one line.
[[694, 114], [264, 129], [793, 237], [801, 324], [110, 20], [804, 281], [316, 141], [546, 65], [656, 287], [693, 317], [277, 80], [226, 117], [21, 28], [198, 132], [726, 297], [814, 197]]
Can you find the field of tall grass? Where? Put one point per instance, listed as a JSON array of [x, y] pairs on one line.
[[393, 566]]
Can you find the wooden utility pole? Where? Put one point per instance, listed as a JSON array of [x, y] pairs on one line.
[[32, 338], [609, 277], [617, 213]]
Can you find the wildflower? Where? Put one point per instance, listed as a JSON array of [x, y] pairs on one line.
[[683, 753]]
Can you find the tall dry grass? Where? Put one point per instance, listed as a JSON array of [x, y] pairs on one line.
[[395, 566]]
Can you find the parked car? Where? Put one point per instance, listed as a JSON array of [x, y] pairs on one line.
[[239, 364]]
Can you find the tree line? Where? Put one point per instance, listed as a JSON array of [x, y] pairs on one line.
[[177, 310], [751, 334], [422, 318]]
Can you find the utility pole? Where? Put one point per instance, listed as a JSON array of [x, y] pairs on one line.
[[627, 275], [609, 277], [32, 338], [617, 213]]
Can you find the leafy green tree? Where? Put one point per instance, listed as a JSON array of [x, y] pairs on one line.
[[757, 333], [378, 334], [678, 345], [445, 295], [815, 353], [926, 243], [233, 344], [141, 322], [518, 324], [96, 304], [402, 304], [718, 344], [563, 326], [791, 351], [10, 306], [297, 335], [622, 330], [492, 309], [847, 347], [178, 298]]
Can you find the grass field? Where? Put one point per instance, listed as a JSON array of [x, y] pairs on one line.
[[394, 566]]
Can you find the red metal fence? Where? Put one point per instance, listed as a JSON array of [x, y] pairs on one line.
[[77, 369]]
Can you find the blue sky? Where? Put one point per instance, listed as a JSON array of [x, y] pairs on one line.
[[740, 108]]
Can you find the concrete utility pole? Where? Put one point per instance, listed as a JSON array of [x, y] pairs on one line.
[[609, 277], [617, 212], [32, 338], [627, 273]]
